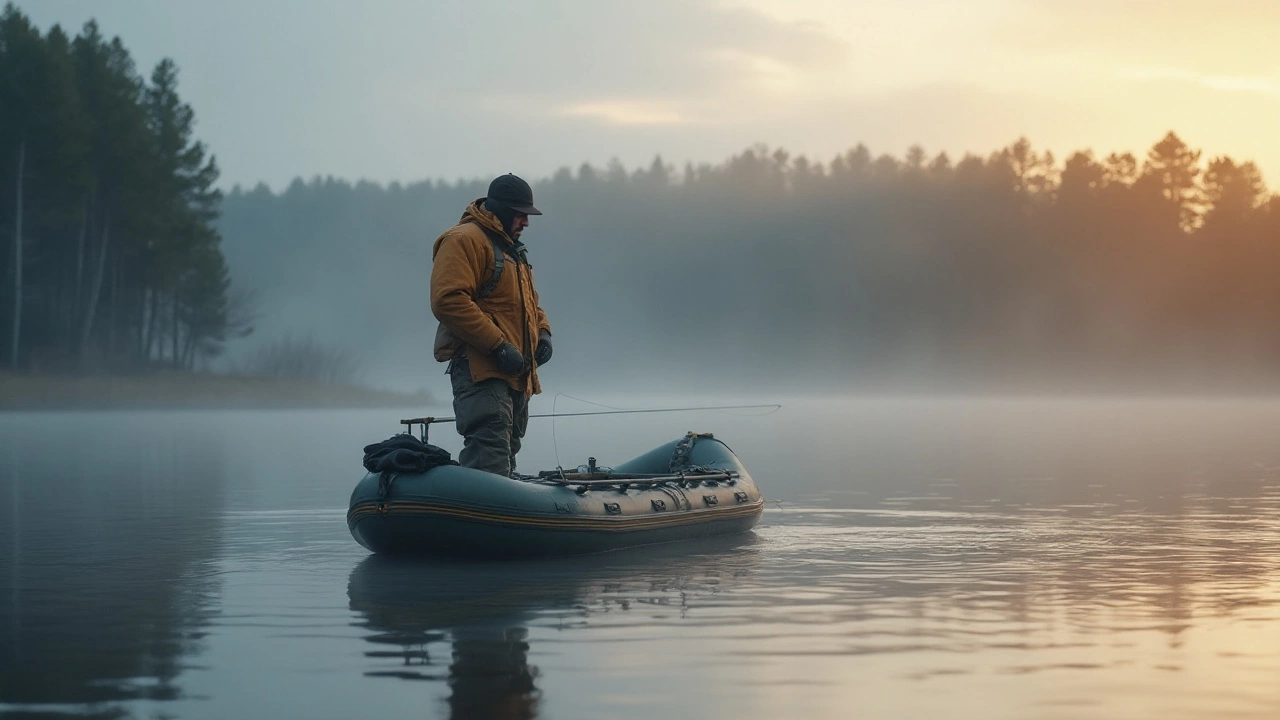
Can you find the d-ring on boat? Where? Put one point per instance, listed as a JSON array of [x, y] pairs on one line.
[[693, 487]]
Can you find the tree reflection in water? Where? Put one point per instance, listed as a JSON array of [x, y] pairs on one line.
[[107, 589]]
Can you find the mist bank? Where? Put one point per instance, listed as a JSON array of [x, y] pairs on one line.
[[173, 390], [1005, 271]]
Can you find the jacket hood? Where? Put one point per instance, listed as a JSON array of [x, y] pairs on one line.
[[475, 213]]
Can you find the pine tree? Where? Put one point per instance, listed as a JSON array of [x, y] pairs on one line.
[[189, 265], [1174, 168]]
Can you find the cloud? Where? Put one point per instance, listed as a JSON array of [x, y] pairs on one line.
[[626, 112], [1258, 84], [662, 52]]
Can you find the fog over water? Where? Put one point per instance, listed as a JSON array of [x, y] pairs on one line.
[[963, 557], [1011, 272]]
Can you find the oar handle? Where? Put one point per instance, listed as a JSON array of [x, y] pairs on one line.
[[426, 420]]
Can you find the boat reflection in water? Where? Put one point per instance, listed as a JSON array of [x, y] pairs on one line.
[[412, 608]]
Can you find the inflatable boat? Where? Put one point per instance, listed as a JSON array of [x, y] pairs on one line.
[[693, 487]]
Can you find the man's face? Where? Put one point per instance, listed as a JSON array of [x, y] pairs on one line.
[[519, 222]]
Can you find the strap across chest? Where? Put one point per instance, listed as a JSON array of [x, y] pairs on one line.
[[499, 261]]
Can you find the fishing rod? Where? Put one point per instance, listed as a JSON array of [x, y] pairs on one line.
[[425, 421]]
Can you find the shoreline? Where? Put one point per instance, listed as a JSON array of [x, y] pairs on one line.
[[171, 390]]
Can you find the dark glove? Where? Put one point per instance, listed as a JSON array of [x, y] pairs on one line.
[[543, 353], [509, 359]]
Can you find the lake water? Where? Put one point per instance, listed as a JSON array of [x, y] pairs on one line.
[[919, 557]]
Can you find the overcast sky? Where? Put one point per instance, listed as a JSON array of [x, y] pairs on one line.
[[411, 89]]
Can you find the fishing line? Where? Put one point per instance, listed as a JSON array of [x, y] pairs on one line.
[[588, 402], [554, 445], [772, 408]]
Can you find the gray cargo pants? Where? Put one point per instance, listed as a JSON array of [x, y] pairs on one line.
[[492, 418]]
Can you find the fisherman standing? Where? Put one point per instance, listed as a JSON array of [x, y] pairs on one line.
[[493, 333]]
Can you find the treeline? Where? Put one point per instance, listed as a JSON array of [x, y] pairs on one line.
[[1157, 268], [108, 210]]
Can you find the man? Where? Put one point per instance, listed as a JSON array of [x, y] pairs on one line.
[[493, 333]]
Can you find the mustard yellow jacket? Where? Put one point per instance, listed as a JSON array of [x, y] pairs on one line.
[[462, 263]]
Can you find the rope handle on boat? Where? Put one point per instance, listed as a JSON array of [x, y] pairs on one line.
[[582, 482], [609, 476]]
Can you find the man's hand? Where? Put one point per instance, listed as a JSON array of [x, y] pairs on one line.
[[509, 359], [543, 353]]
